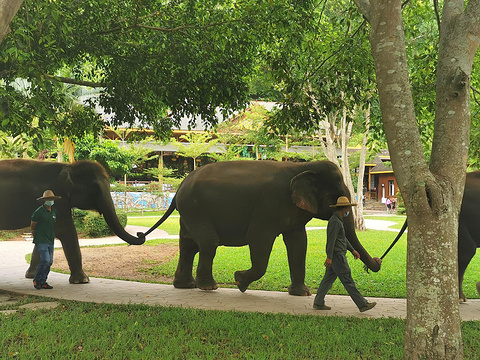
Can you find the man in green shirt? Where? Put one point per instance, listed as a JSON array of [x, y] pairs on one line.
[[336, 263], [42, 226]]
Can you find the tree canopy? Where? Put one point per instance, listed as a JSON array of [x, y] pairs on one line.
[[152, 62]]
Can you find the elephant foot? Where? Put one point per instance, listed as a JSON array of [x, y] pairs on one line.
[[299, 290], [478, 287], [207, 283], [184, 284], [79, 278], [240, 281], [208, 287]]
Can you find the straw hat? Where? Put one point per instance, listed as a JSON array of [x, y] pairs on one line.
[[343, 201], [49, 195]]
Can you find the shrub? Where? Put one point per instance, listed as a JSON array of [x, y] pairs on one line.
[[92, 224]]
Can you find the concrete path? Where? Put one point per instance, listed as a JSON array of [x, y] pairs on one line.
[[14, 265]]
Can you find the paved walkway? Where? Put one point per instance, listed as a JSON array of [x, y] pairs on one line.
[[14, 265]]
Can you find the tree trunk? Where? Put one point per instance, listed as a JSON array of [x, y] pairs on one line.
[[432, 194], [8, 9], [358, 211]]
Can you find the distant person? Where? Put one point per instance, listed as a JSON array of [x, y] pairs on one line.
[[336, 263], [42, 226], [389, 205]]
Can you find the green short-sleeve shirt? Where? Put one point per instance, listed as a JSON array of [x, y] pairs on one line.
[[45, 228]]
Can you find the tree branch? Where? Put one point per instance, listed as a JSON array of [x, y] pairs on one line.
[[364, 7], [163, 29], [75, 81]]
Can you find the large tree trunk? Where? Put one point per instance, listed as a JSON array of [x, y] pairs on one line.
[[432, 194], [8, 9]]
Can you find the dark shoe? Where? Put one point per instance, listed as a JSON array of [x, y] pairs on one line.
[[46, 286], [321, 307], [37, 285], [368, 306]]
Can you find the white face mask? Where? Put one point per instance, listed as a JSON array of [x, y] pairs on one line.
[[49, 202], [346, 214]]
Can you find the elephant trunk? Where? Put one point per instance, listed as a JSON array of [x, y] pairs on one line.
[[371, 263], [110, 216]]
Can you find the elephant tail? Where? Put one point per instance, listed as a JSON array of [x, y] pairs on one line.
[[169, 211]]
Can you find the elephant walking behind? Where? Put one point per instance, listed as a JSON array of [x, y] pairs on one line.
[[251, 203], [83, 184]]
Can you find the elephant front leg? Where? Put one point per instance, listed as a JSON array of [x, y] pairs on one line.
[[67, 235], [260, 251], [296, 244]]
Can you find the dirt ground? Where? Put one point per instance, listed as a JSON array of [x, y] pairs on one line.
[[119, 262]]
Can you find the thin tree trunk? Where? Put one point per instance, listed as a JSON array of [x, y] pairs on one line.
[[8, 9], [358, 211]]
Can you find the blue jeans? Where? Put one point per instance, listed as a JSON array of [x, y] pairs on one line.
[[340, 269], [46, 260]]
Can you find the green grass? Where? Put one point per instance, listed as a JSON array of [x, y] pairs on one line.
[[104, 331], [388, 282]]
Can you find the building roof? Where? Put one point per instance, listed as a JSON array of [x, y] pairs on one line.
[[382, 163]]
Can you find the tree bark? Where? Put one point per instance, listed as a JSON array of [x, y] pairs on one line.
[[432, 194], [8, 9]]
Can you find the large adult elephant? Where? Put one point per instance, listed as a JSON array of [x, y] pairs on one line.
[[83, 184], [250, 203], [468, 228]]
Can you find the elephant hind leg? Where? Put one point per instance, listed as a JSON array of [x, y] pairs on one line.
[[183, 275], [205, 280], [199, 237], [466, 251]]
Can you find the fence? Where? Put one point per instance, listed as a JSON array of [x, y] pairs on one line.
[[142, 200]]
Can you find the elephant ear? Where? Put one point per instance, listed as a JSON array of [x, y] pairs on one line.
[[66, 180], [304, 191]]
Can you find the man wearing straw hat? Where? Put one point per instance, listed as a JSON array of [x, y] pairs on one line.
[[336, 263], [42, 226]]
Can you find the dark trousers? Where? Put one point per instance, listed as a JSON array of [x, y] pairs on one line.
[[340, 269]]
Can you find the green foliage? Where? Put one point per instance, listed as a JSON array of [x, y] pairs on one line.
[[117, 161], [92, 224], [187, 57], [323, 65], [199, 143], [248, 127], [400, 204], [78, 216]]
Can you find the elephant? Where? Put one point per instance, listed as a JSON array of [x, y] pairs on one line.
[[241, 203], [468, 228], [83, 184]]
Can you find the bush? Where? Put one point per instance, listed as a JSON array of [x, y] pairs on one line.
[[92, 224]]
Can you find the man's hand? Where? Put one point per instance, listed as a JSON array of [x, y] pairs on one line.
[[355, 254], [328, 262]]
